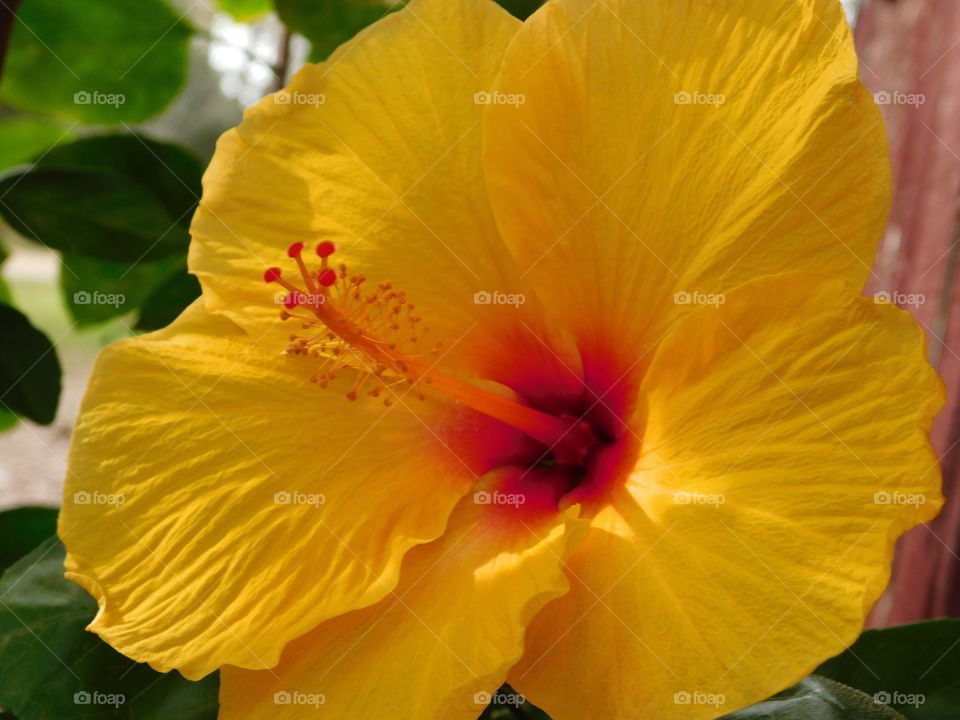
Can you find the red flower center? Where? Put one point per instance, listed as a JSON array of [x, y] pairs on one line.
[[378, 334]]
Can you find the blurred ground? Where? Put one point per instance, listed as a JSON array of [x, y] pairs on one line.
[[224, 75], [32, 458]]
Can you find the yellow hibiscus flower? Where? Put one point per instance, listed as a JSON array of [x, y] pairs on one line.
[[653, 453]]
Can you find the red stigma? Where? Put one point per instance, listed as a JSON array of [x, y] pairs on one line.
[[375, 333], [326, 249], [327, 277]]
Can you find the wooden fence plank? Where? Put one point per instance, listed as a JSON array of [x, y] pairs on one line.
[[910, 52]]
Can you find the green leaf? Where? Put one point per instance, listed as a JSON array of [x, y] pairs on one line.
[[29, 369], [245, 10], [122, 198], [507, 704], [96, 290], [52, 668], [96, 61], [817, 698], [520, 8], [169, 298], [91, 212], [22, 529], [170, 173], [330, 23], [915, 668], [22, 139], [327, 24], [7, 419]]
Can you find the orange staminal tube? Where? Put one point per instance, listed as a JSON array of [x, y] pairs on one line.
[[377, 334]]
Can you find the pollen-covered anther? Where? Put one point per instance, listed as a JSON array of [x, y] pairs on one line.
[[378, 336], [346, 326]]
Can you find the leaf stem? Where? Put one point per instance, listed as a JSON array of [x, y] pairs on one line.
[[282, 68], [8, 16]]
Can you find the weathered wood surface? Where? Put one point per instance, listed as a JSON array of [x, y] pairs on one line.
[[913, 47]]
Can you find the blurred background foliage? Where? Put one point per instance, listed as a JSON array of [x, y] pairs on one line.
[[109, 112]]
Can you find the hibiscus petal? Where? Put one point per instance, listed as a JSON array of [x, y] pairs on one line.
[[172, 516], [443, 642], [617, 180], [783, 450], [378, 151]]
